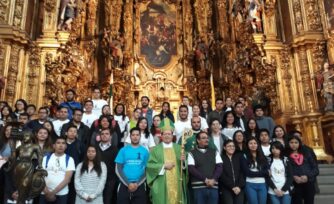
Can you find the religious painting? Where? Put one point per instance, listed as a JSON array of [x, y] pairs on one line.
[[329, 9], [158, 33]]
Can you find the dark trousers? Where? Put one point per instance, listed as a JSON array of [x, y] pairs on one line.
[[108, 192], [303, 192], [59, 200], [2, 186], [228, 197], [137, 197], [71, 192]]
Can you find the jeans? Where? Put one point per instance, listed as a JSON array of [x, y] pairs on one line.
[[256, 193], [59, 200], [206, 195], [285, 199]]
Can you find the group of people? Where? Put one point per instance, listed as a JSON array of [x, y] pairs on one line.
[[232, 155]]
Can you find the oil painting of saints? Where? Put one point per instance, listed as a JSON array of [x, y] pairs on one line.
[[158, 37]]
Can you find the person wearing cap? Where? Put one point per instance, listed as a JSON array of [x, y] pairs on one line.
[[164, 171]]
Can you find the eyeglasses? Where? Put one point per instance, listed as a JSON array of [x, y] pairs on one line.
[[230, 146], [204, 138]]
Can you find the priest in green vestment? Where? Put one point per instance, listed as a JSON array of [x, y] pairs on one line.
[[164, 172]]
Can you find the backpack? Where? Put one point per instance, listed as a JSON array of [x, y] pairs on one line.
[[48, 156]]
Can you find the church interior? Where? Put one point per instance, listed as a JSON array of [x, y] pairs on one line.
[[277, 53]]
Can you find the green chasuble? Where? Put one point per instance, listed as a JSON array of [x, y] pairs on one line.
[[159, 184], [191, 143]]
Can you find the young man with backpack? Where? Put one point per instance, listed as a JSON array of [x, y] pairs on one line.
[[60, 168]]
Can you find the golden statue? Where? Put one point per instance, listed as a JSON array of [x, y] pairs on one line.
[[29, 181]]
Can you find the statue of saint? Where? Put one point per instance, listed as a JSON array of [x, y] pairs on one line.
[[29, 181], [254, 15], [66, 14], [328, 86]]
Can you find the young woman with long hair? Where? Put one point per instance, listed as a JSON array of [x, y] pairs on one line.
[[279, 134], [90, 178], [166, 112], [121, 118], [43, 139], [146, 138], [230, 124], [20, 107], [7, 115], [5, 147], [255, 168], [280, 180], [304, 171], [155, 130], [239, 140], [205, 108], [49, 126], [232, 179], [252, 129]]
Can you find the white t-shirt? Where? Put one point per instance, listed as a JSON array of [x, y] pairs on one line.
[[180, 126], [277, 170], [145, 142], [56, 172], [122, 123], [204, 124], [229, 132], [88, 119], [191, 160], [266, 150], [242, 124], [216, 140], [58, 124], [97, 106]]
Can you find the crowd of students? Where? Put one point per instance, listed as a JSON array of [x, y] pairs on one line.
[[235, 154]]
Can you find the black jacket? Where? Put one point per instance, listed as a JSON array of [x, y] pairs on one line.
[[83, 132], [232, 175], [309, 167], [288, 175]]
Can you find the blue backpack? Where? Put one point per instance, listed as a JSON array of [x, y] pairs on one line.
[[48, 156]]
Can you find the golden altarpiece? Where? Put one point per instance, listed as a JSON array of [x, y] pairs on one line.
[[282, 50]]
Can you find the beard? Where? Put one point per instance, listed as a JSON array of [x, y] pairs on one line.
[[135, 142]]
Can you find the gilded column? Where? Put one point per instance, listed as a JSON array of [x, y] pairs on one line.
[[13, 68], [34, 65], [309, 52], [4, 11]]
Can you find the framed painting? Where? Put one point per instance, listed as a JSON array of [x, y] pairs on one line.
[[158, 39]]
